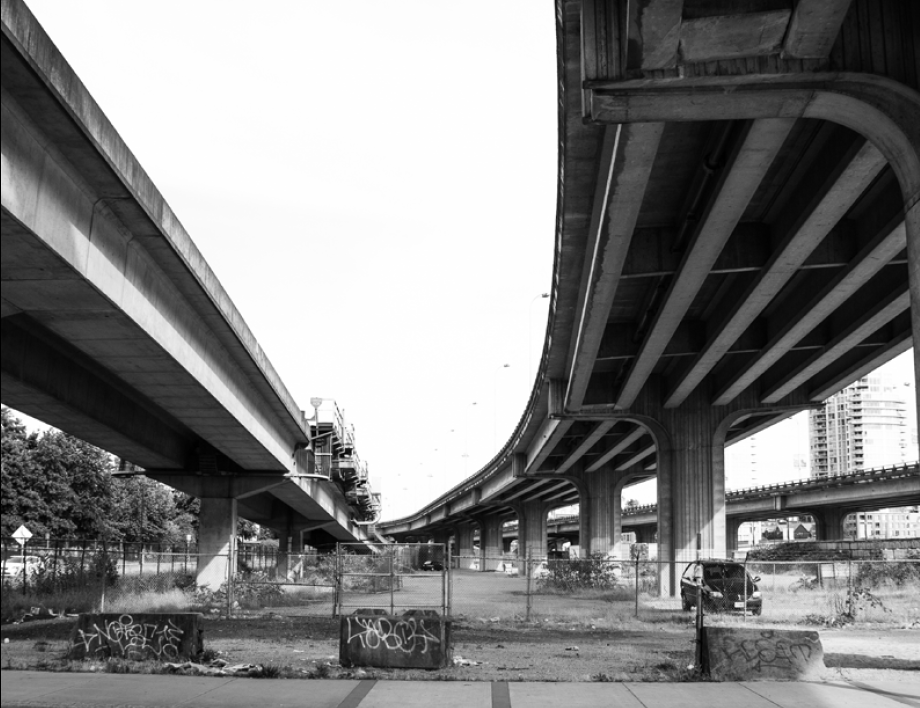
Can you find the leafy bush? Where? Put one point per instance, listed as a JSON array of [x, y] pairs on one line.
[[873, 575], [594, 573]]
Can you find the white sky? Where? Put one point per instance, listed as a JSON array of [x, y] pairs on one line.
[[373, 183]]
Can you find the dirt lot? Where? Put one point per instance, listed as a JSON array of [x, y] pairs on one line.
[[503, 651]]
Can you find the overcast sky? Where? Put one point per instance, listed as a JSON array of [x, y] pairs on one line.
[[374, 184]]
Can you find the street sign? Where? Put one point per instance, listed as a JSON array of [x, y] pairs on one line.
[[22, 535]]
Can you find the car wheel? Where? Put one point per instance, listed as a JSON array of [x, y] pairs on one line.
[[756, 612], [686, 604]]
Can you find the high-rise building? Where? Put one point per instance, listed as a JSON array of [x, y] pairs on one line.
[[863, 426]]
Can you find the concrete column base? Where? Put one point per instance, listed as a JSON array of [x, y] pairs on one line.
[[491, 546], [216, 538]]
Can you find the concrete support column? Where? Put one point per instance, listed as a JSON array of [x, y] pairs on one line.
[[601, 509], [216, 536], [644, 534], [829, 524], [290, 546], [732, 526], [599, 512], [691, 484], [464, 537], [913, 274], [443, 537], [491, 545], [532, 529]]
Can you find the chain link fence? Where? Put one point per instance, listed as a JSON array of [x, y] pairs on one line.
[[81, 576], [604, 592], [67, 576], [392, 578]]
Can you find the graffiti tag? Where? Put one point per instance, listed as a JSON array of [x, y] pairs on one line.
[[408, 635], [768, 651], [132, 640]]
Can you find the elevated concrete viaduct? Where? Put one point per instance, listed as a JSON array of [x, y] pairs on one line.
[[738, 237], [115, 329]]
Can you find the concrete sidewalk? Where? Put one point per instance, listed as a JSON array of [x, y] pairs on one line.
[[41, 689]]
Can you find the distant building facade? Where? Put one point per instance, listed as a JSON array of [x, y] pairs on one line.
[[887, 524], [863, 426]]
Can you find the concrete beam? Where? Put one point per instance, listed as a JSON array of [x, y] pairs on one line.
[[637, 458], [814, 28], [654, 34], [733, 36], [590, 440], [46, 377], [551, 434], [637, 434], [750, 159], [652, 253], [627, 157], [899, 344], [847, 340], [829, 200], [880, 251]]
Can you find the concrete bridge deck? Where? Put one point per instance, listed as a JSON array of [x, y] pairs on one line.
[[114, 327]]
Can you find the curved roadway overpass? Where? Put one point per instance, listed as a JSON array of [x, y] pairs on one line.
[[115, 329], [828, 500], [738, 237]]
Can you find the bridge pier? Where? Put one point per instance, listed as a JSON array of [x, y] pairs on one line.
[[491, 543], [216, 541], [732, 526], [601, 508], [829, 523], [463, 534], [532, 537]]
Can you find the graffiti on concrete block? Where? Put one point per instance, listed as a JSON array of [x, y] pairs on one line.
[[406, 634], [770, 651], [132, 640]]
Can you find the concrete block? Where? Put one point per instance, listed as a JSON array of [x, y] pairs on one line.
[[738, 654], [165, 637], [415, 640]]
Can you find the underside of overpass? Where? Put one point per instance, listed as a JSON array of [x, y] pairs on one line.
[[738, 238], [115, 329]]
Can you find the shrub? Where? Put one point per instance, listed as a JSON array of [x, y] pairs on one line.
[[873, 575]]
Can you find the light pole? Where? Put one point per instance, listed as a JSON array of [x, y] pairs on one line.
[[495, 403], [541, 296], [466, 442]]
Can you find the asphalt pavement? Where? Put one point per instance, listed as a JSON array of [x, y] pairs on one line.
[[75, 690]]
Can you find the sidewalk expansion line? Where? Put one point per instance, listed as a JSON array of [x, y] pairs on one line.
[[904, 698], [501, 695], [353, 700]]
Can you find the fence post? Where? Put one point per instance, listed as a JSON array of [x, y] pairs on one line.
[[105, 569], [230, 574], [82, 562], [392, 584], [637, 554], [449, 593], [699, 626], [25, 565], [744, 597], [850, 588], [55, 560], [337, 581]]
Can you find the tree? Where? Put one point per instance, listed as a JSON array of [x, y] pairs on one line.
[[146, 511], [16, 466], [70, 492]]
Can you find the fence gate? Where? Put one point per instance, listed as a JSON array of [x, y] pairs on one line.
[[393, 578]]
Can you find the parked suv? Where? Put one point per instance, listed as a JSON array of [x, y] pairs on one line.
[[725, 587]]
